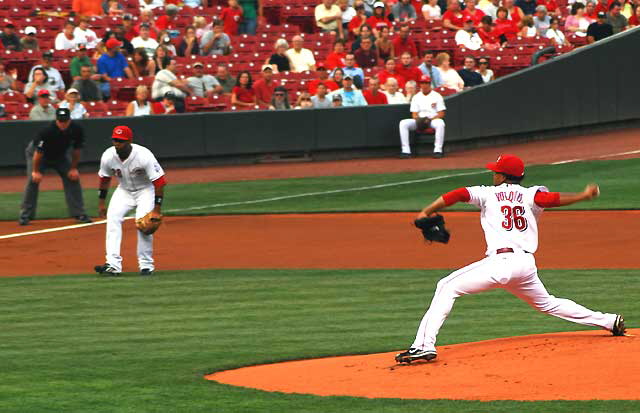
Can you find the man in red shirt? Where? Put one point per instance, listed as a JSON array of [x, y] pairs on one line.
[[372, 95], [407, 70], [323, 77], [491, 39], [336, 58], [404, 42], [168, 21], [474, 12], [454, 18], [264, 87], [366, 56], [231, 17], [390, 71], [165, 106]]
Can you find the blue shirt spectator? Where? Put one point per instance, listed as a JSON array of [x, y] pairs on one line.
[[112, 66], [427, 68], [356, 73], [349, 95]]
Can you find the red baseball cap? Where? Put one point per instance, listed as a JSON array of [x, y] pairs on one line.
[[508, 165], [113, 42], [425, 79], [44, 92], [123, 133]]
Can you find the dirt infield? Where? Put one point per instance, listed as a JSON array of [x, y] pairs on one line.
[[374, 240], [587, 365], [597, 146]]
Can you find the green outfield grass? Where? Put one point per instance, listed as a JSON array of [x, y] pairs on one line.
[[616, 178], [134, 344]]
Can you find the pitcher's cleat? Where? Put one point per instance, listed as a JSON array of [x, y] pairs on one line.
[[618, 326], [106, 270], [415, 354]]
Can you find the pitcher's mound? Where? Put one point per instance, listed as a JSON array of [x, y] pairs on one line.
[[583, 365]]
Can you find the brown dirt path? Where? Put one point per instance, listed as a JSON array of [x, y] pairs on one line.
[[587, 365], [569, 239], [597, 146]]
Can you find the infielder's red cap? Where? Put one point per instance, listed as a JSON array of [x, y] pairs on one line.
[[122, 132], [508, 165], [425, 79]]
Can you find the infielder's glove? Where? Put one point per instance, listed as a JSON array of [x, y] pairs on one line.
[[433, 228], [149, 223], [422, 123]]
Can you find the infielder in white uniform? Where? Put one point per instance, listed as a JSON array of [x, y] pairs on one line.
[[509, 216], [427, 110], [141, 186]]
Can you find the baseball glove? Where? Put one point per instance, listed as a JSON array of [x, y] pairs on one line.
[[433, 228], [149, 223]]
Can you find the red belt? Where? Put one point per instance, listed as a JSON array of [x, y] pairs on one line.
[[504, 250]]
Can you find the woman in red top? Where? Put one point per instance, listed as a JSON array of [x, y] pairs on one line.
[[336, 58], [243, 95], [231, 17], [635, 19], [504, 26], [358, 20], [378, 20], [514, 12], [490, 37], [474, 13], [390, 71], [454, 18]]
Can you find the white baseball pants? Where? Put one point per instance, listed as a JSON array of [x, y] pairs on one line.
[[407, 125], [515, 272], [121, 203]]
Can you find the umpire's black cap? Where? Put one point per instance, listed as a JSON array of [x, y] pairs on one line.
[[63, 114]]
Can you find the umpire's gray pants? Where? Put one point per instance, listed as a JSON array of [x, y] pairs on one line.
[[72, 189]]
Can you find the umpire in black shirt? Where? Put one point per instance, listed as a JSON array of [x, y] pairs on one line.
[[50, 149]]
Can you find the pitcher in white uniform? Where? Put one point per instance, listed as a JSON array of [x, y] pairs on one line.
[[509, 216], [141, 186]]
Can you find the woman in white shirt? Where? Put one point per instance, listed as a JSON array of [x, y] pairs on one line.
[[431, 10], [72, 103], [555, 34], [526, 28], [66, 40], [483, 68], [449, 76], [140, 106]]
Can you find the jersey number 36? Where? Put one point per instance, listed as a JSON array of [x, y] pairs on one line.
[[513, 217]]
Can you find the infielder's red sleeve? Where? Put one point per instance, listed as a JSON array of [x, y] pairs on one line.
[[547, 199], [160, 182], [457, 195], [105, 180]]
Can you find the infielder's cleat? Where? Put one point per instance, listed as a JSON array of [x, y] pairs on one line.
[[618, 326], [404, 155], [415, 354], [146, 271], [23, 221], [438, 155], [83, 219], [106, 270]]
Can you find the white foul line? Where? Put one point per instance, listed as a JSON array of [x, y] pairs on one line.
[[611, 155]]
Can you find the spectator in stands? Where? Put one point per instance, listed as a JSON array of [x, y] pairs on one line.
[[72, 103], [431, 10], [491, 9], [350, 95], [320, 100], [541, 20], [200, 23], [390, 71], [113, 8], [84, 34], [336, 101], [359, 20], [394, 96], [377, 21], [167, 81], [336, 57], [301, 59], [473, 12], [55, 81], [117, 33], [29, 41], [129, 30], [161, 58], [280, 99], [87, 85], [504, 26], [165, 40], [145, 41], [169, 19], [410, 90], [265, 86], [225, 79], [602, 6], [87, 7], [528, 7], [365, 33], [329, 17], [616, 19], [450, 78], [338, 75], [427, 68], [515, 13], [384, 45], [140, 106], [112, 65], [468, 37], [9, 38], [350, 69], [8, 80], [166, 106], [469, 74], [323, 77], [201, 84], [427, 110], [526, 27], [483, 69], [148, 5], [599, 29], [366, 56], [404, 43], [406, 69], [215, 41], [634, 20], [243, 94], [304, 101], [189, 45], [347, 14], [403, 11], [491, 38], [79, 60], [39, 81], [66, 40], [251, 15], [231, 17], [552, 7], [590, 11], [43, 109], [453, 18], [280, 59], [577, 23], [372, 94], [555, 34], [146, 16], [141, 64]]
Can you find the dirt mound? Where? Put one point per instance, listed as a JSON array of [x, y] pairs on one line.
[[587, 365]]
